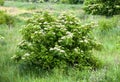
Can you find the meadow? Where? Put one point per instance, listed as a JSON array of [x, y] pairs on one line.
[[107, 32]]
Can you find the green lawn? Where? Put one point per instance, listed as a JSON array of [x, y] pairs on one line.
[[109, 55]]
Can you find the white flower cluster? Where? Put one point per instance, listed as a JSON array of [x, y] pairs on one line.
[[39, 32], [69, 34], [63, 29], [25, 55], [45, 23], [77, 50], [84, 41], [57, 48]]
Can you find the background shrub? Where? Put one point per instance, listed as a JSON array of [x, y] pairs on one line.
[[102, 7], [50, 42], [1, 2], [6, 19]]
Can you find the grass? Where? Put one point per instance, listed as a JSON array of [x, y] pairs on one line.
[[10, 72], [51, 6]]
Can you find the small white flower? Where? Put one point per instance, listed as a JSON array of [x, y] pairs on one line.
[[62, 51], [86, 41], [63, 29], [13, 57], [71, 22], [23, 58], [46, 28], [69, 34], [81, 51], [36, 32], [27, 54], [83, 36], [51, 49], [40, 23], [81, 41], [45, 23], [63, 37], [63, 20], [75, 50], [59, 40]]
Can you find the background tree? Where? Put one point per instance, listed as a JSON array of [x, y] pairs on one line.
[[102, 7]]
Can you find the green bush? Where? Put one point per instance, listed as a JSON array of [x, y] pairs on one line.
[[1, 2], [6, 19], [102, 7], [50, 42]]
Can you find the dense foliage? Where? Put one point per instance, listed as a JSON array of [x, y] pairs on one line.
[[1, 2], [102, 7], [62, 41], [6, 19]]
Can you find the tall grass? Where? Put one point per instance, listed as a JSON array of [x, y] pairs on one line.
[[11, 72]]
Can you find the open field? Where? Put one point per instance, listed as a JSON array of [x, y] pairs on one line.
[[109, 55]]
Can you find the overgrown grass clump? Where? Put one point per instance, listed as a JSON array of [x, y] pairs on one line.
[[62, 42], [106, 24]]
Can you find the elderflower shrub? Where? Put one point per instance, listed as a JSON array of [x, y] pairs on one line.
[[102, 7], [50, 42]]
